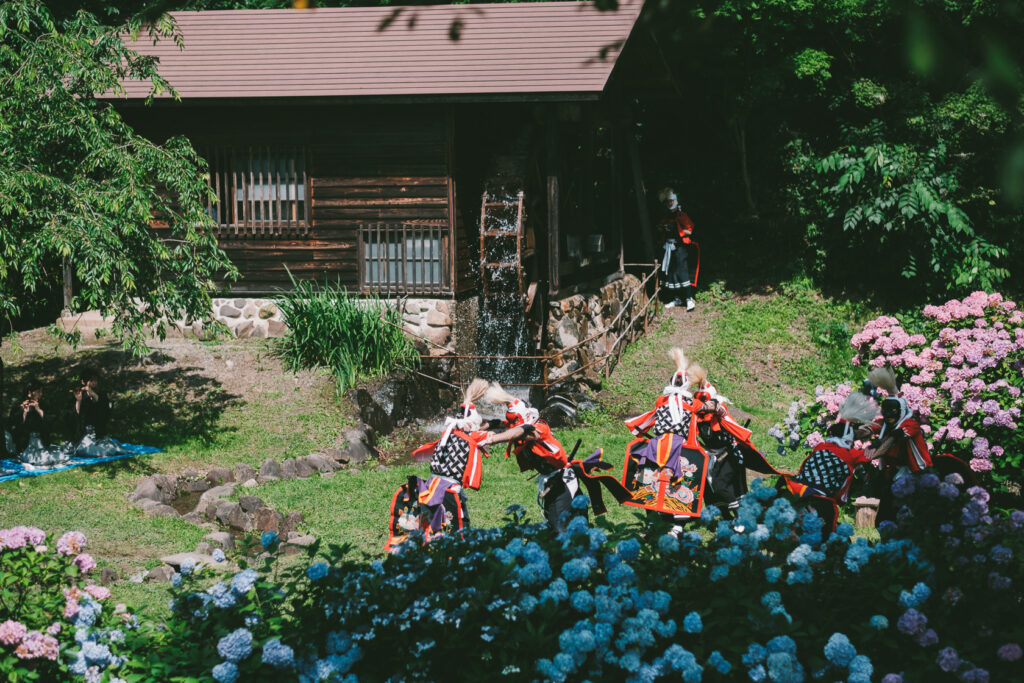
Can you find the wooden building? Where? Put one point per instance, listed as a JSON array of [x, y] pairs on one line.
[[356, 143]]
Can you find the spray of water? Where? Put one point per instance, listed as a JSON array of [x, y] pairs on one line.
[[503, 328]]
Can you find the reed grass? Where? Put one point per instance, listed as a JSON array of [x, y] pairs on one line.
[[353, 337]]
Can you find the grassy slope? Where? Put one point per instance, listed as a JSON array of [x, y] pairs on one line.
[[762, 351]]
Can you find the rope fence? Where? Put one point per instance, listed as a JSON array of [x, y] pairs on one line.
[[610, 359]]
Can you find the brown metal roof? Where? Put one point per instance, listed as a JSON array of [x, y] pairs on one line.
[[547, 47]]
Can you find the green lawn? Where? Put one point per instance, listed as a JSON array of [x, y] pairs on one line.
[[761, 350]]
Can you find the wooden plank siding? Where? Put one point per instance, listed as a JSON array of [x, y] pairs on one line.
[[372, 165]]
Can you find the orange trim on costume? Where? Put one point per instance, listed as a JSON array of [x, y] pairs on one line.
[[431, 490], [664, 449]]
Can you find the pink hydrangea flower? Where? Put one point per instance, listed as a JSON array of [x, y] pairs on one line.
[[71, 543], [98, 592], [12, 632], [54, 628], [37, 645], [84, 562]]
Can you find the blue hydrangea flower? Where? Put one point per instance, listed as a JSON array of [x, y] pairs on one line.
[[188, 565], [839, 650], [857, 555], [221, 595], [582, 601], [781, 644], [801, 575], [879, 622], [235, 646], [668, 544], [756, 654], [277, 654], [784, 667], [678, 658], [317, 571], [576, 570], [218, 555], [622, 573], [176, 580], [244, 581], [580, 502], [628, 549], [225, 672], [719, 571], [692, 623], [719, 663], [772, 574], [710, 513], [268, 539], [96, 654], [861, 666]]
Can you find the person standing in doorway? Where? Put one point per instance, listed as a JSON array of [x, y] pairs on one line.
[[681, 259]]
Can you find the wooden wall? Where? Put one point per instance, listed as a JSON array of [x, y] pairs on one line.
[[366, 165]]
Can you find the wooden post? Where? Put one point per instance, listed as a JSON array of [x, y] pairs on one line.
[[641, 195], [553, 168], [68, 291]]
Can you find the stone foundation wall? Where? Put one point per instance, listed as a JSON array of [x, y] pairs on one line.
[[429, 319], [591, 314]]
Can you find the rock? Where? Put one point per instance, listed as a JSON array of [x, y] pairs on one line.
[[267, 519], [161, 574], [178, 559], [203, 548], [567, 334], [270, 468], [303, 468], [320, 463], [221, 539], [276, 328], [240, 520], [108, 575], [194, 517], [291, 522], [251, 503], [241, 303], [161, 510], [243, 471], [259, 330], [138, 577], [360, 398], [296, 543], [250, 311], [225, 509], [288, 470], [338, 455], [443, 307], [438, 319], [215, 493], [145, 489], [219, 475], [192, 482], [250, 483], [229, 311], [168, 485], [438, 335], [378, 418], [268, 311], [244, 329]]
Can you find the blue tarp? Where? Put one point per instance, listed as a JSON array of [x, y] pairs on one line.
[[15, 469]]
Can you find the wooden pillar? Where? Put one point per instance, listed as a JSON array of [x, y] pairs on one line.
[[553, 170], [452, 212], [641, 194], [615, 191], [68, 291]]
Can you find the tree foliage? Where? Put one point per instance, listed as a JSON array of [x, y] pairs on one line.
[[79, 188]]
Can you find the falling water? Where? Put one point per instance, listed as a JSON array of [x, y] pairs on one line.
[[503, 326]]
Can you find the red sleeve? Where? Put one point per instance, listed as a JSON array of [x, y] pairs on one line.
[[548, 448], [855, 456]]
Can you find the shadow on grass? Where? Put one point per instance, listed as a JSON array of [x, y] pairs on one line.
[[153, 406]]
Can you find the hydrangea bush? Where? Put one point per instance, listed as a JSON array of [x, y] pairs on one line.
[[55, 622], [767, 596], [961, 368]]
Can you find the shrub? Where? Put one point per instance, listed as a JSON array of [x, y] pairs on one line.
[[53, 620], [767, 596], [353, 337], [960, 368]]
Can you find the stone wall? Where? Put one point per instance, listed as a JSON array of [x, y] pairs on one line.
[[591, 314], [429, 319]]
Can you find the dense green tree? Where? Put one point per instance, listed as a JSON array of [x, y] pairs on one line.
[[79, 189]]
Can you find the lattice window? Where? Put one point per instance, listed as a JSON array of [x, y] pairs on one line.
[[404, 258], [259, 189]]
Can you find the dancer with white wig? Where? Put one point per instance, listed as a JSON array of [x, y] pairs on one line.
[[681, 254], [560, 477], [438, 505], [665, 468]]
